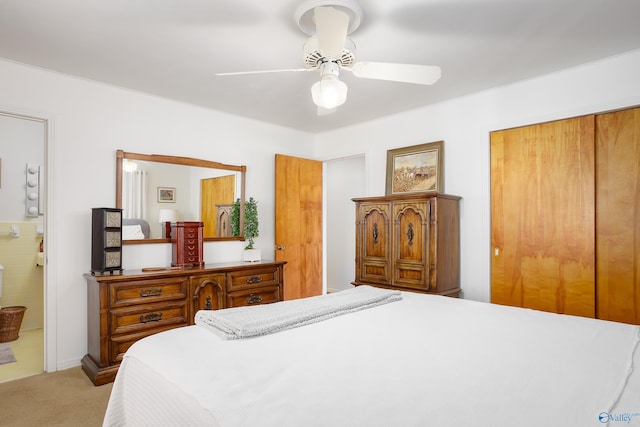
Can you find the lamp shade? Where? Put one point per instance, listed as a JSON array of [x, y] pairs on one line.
[[329, 92], [169, 215]]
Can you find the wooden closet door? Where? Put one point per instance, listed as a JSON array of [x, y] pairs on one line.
[[542, 217], [618, 215]]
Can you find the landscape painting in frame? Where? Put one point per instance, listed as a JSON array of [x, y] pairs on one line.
[[166, 195], [415, 169]]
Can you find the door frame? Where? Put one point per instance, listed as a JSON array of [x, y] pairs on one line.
[[50, 290]]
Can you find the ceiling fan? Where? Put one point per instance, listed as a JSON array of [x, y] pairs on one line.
[[329, 50]]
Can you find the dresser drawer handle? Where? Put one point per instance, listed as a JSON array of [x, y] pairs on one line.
[[150, 317], [254, 299], [151, 292], [254, 279]]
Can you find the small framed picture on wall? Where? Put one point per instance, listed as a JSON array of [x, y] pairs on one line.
[[166, 195]]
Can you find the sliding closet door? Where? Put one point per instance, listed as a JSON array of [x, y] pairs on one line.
[[542, 217], [618, 215]]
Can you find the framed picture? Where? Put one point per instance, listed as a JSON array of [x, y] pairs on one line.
[[166, 195], [415, 169]]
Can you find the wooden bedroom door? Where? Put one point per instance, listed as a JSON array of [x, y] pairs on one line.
[[618, 215], [298, 224], [542, 217]]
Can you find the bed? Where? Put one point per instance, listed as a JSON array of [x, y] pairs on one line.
[[135, 229], [422, 360]]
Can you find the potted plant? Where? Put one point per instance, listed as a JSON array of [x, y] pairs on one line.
[[250, 227]]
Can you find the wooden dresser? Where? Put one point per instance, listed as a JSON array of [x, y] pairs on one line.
[[127, 307], [409, 242]]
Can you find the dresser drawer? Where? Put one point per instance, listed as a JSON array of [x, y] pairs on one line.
[[148, 291], [120, 343], [253, 278], [145, 317], [256, 296]]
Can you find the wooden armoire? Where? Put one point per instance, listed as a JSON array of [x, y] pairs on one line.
[[409, 242], [565, 216]]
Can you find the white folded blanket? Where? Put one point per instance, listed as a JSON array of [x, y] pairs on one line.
[[245, 322]]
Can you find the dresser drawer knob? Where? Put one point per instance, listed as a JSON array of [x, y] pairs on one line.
[[150, 317], [254, 279], [150, 292], [254, 299]]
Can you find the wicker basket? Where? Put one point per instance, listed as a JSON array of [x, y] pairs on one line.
[[10, 321]]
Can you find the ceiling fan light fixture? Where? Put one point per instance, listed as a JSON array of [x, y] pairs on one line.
[[329, 92]]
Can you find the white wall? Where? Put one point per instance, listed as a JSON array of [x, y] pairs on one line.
[[21, 142], [89, 122], [464, 125]]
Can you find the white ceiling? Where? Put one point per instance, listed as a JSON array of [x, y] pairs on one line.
[[174, 48]]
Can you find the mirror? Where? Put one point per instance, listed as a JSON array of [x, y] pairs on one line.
[[151, 188]]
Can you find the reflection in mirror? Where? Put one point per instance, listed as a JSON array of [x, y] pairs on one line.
[[153, 189]]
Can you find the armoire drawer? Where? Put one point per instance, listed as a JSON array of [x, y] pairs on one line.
[[148, 291], [252, 278], [145, 317], [255, 296]]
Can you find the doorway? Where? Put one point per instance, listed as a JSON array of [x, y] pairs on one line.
[[345, 178], [23, 175]]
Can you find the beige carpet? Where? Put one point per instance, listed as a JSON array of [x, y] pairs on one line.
[[63, 398]]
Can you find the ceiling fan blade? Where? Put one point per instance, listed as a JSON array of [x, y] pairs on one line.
[[238, 73], [408, 73], [325, 111], [331, 29]]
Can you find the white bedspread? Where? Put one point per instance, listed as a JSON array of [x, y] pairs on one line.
[[422, 361]]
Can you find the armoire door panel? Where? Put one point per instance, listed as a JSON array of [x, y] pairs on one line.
[[414, 277], [375, 272], [375, 242], [411, 238], [411, 232], [542, 216], [618, 215], [376, 231]]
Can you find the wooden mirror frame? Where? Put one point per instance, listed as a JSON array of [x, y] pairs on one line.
[[186, 161]]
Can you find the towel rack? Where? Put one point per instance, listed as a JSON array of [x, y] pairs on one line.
[[14, 231]]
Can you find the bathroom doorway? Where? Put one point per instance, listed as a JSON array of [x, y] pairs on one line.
[[22, 240]]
